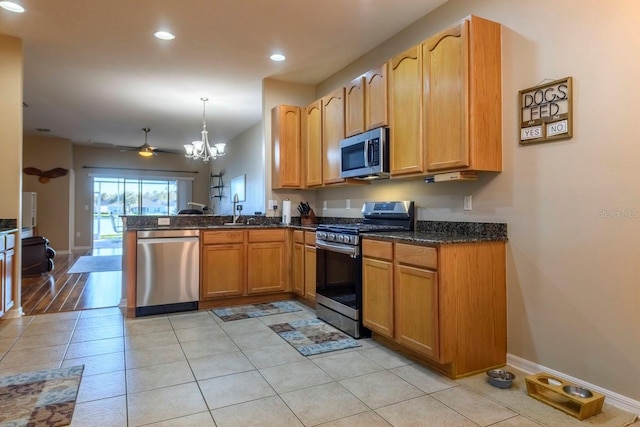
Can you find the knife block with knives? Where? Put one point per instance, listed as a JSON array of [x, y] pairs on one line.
[[307, 217]]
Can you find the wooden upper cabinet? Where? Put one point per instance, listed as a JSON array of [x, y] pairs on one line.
[[354, 106], [405, 113], [312, 144], [332, 133], [286, 136], [366, 102], [462, 97], [375, 98]]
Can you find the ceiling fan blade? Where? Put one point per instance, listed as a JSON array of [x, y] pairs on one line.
[[125, 148], [161, 150]]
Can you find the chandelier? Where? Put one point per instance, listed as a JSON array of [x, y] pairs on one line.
[[201, 149]]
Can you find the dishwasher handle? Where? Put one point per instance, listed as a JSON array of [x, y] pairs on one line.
[[157, 240]]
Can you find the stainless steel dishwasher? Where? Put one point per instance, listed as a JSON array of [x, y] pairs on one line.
[[168, 271]]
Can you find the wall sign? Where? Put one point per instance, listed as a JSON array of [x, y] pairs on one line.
[[546, 112]]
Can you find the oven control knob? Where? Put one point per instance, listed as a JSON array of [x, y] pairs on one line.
[[340, 238], [322, 235], [347, 239], [332, 236]]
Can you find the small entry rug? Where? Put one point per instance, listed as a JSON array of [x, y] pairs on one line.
[[39, 399], [313, 336], [254, 310], [95, 264]]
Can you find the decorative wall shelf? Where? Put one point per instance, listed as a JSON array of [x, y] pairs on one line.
[[216, 186]]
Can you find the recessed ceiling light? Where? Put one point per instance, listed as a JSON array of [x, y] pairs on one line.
[[278, 57], [11, 6], [164, 35]]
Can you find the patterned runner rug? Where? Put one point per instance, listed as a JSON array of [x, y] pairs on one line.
[[40, 399], [313, 336], [255, 310]]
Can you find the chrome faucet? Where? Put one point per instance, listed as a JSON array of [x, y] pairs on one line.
[[235, 202]]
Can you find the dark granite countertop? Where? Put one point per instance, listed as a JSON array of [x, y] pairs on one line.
[[446, 232], [427, 232], [433, 238], [8, 225]]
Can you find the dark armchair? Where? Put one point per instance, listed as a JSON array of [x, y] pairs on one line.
[[37, 255]]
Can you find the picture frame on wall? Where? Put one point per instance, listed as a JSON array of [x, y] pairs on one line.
[[546, 112]]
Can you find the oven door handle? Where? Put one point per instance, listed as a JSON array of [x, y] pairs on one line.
[[342, 249]]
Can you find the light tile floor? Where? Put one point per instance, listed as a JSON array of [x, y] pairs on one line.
[[192, 369]]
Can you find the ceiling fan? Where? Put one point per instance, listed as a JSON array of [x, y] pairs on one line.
[[145, 149]]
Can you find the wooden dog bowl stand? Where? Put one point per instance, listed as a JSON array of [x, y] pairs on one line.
[[539, 388]]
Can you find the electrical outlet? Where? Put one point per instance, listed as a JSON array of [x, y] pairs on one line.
[[348, 204], [467, 203], [273, 205], [239, 208], [164, 221]]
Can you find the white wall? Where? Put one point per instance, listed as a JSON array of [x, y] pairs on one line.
[[573, 270], [11, 69], [244, 157]]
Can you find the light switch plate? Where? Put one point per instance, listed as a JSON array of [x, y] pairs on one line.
[[467, 203], [164, 221]]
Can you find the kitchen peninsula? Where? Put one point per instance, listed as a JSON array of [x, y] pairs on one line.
[[438, 293]]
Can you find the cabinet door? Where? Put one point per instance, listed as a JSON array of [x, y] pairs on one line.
[[354, 106], [2, 279], [313, 144], [298, 269], [445, 98], [416, 309], [8, 279], [332, 133], [375, 98], [286, 146], [310, 273], [405, 113], [377, 296], [266, 267], [223, 270]]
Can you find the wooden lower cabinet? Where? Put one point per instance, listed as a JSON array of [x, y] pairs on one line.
[[297, 254], [444, 305], [243, 262], [223, 270], [416, 309], [7, 273], [310, 267], [266, 267], [304, 265], [377, 293]]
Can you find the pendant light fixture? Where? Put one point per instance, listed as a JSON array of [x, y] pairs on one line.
[[201, 149]]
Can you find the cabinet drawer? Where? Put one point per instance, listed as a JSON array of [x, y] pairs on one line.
[[267, 235], [216, 237], [298, 236], [310, 238], [377, 249], [420, 256], [11, 241]]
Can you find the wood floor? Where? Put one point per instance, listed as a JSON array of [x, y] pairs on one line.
[[58, 291]]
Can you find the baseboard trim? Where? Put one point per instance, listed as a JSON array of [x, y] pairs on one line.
[[612, 398]]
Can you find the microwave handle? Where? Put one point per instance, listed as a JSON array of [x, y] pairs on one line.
[[367, 143]]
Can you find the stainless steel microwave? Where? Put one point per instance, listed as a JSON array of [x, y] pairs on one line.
[[366, 155]]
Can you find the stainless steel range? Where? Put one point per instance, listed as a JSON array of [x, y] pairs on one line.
[[339, 262]]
